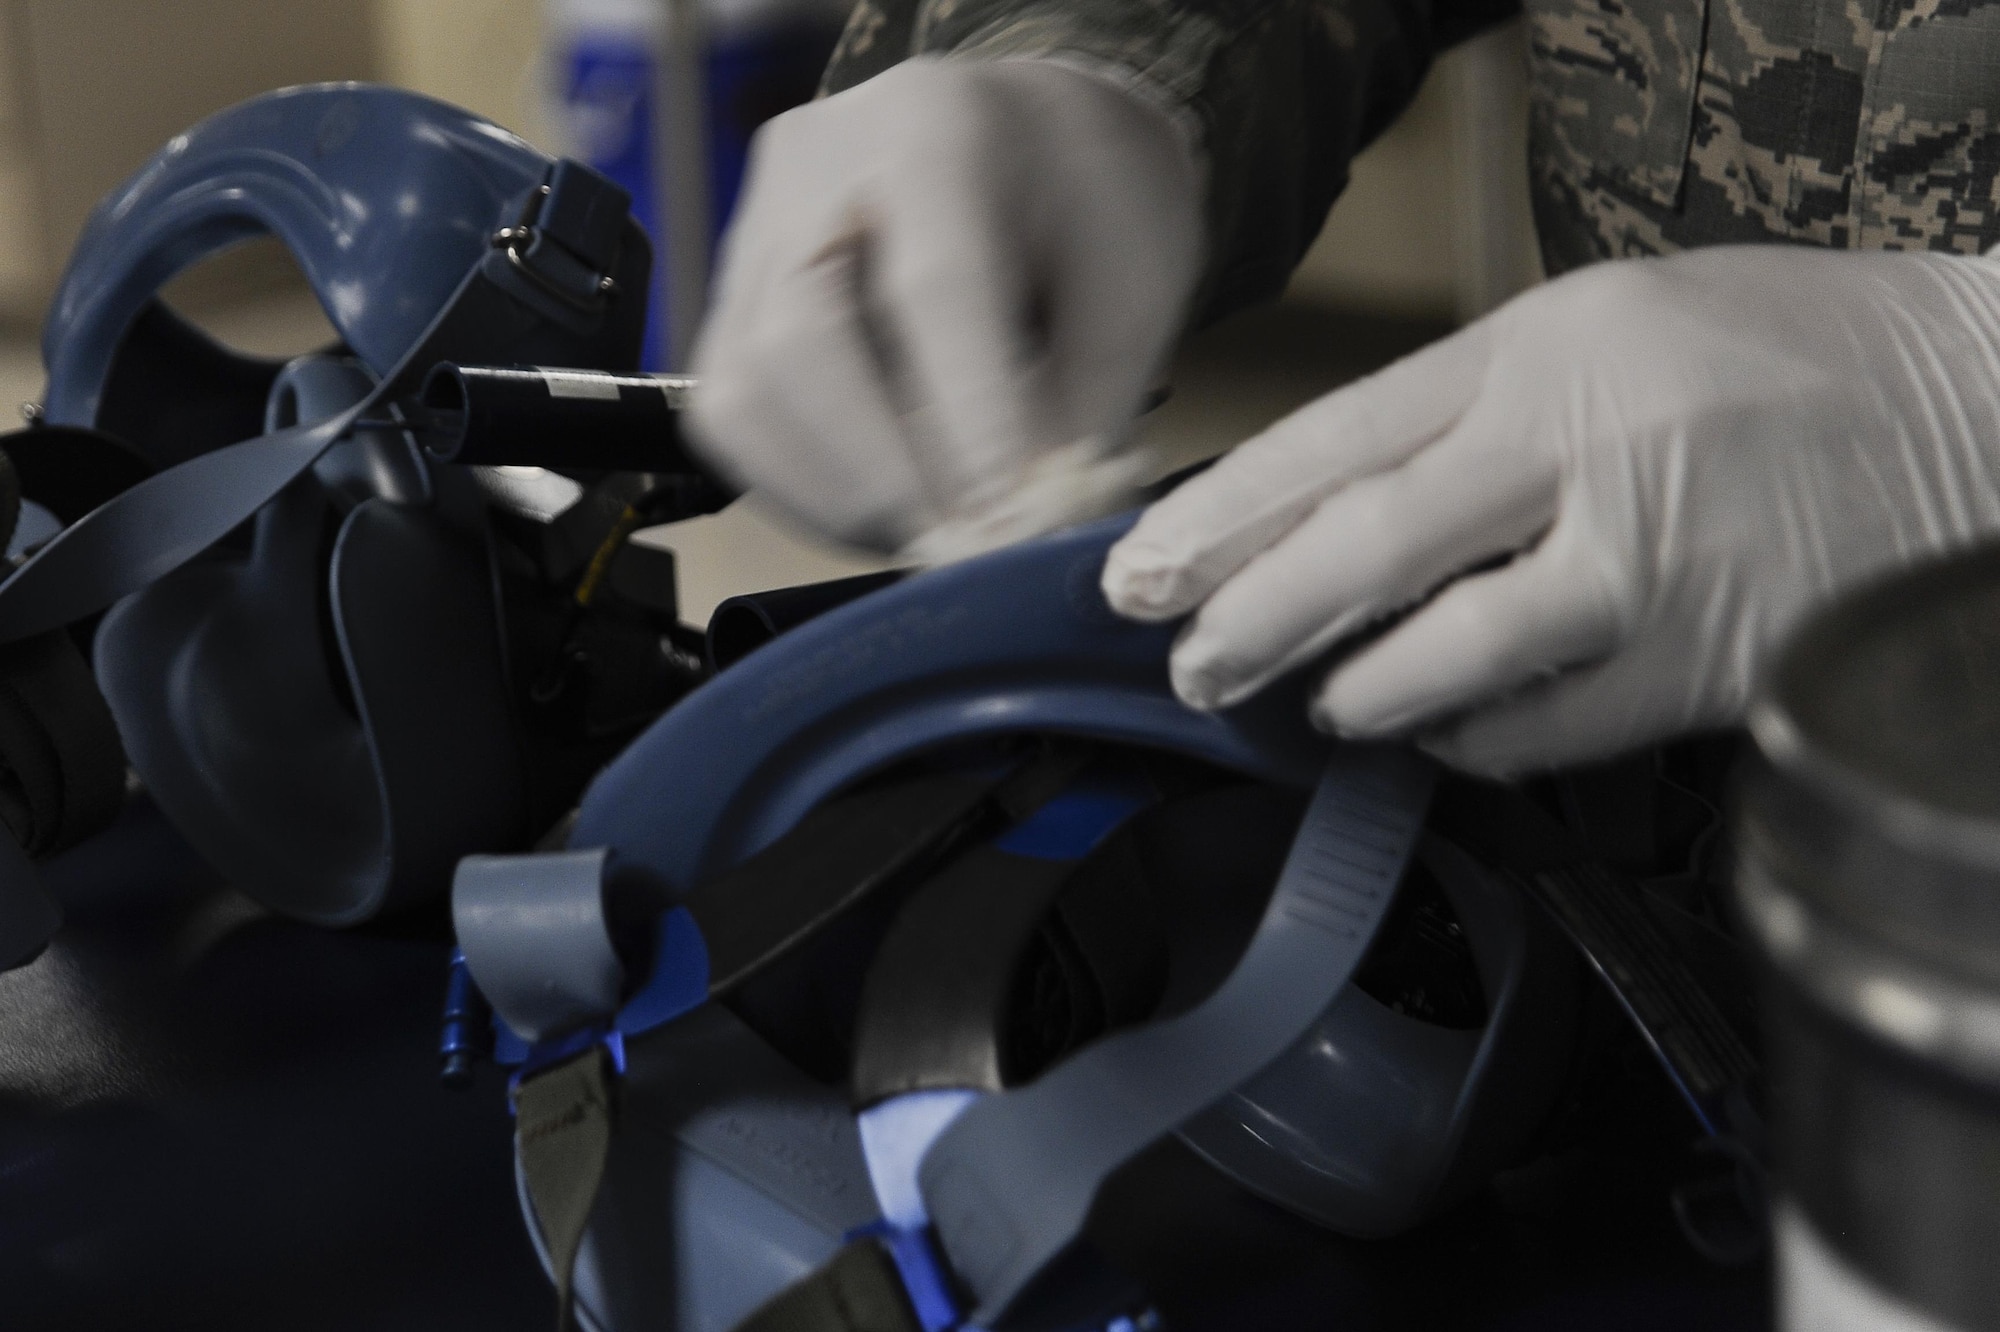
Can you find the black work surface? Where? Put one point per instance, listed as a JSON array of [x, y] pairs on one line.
[[210, 1118]]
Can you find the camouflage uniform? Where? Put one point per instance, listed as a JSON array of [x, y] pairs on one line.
[[1656, 124]]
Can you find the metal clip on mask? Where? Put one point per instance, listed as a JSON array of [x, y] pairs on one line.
[[338, 660], [956, 846]]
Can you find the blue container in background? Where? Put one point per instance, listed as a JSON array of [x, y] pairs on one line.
[[663, 96]]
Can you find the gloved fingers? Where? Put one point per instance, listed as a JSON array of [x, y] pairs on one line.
[[1069, 484], [1482, 637], [1122, 266], [1023, 237], [770, 236], [1382, 543], [743, 255], [951, 301], [1111, 333], [822, 439], [1578, 717], [1191, 542]]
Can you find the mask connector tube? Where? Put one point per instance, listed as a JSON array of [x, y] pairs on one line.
[[572, 419]]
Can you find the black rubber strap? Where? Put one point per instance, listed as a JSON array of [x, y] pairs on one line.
[[70, 470], [857, 845], [936, 994], [1010, 1185], [841, 853], [536, 935], [10, 495], [62, 778], [62, 768], [1607, 918]]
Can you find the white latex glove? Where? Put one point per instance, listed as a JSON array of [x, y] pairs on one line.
[[942, 300], [1686, 455]]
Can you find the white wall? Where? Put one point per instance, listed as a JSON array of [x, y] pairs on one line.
[[1436, 221], [90, 88], [482, 55]]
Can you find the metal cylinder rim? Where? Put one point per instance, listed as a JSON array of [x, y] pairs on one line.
[[1868, 983]]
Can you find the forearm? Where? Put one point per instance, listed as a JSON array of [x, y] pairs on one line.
[[1276, 96]]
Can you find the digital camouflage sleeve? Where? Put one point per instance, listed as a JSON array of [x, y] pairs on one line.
[[1283, 93], [1656, 125]]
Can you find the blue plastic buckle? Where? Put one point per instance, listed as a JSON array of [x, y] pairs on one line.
[[926, 1279], [1146, 1320], [467, 1035], [562, 1049]]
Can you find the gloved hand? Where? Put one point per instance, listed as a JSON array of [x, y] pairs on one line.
[[1682, 456], [940, 304]]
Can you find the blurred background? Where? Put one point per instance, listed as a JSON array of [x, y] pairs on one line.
[[1433, 231]]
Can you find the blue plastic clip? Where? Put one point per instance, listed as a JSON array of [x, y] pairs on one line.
[[926, 1279], [928, 1282], [1146, 1320], [549, 1053], [468, 1025]]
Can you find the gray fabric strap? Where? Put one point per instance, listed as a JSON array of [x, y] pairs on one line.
[[147, 532], [143, 534], [563, 1124], [858, 1290], [534, 935], [1010, 1184]]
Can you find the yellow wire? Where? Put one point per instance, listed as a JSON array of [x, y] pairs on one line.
[[600, 563]]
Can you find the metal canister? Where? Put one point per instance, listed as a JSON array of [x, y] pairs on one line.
[[1869, 879]]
